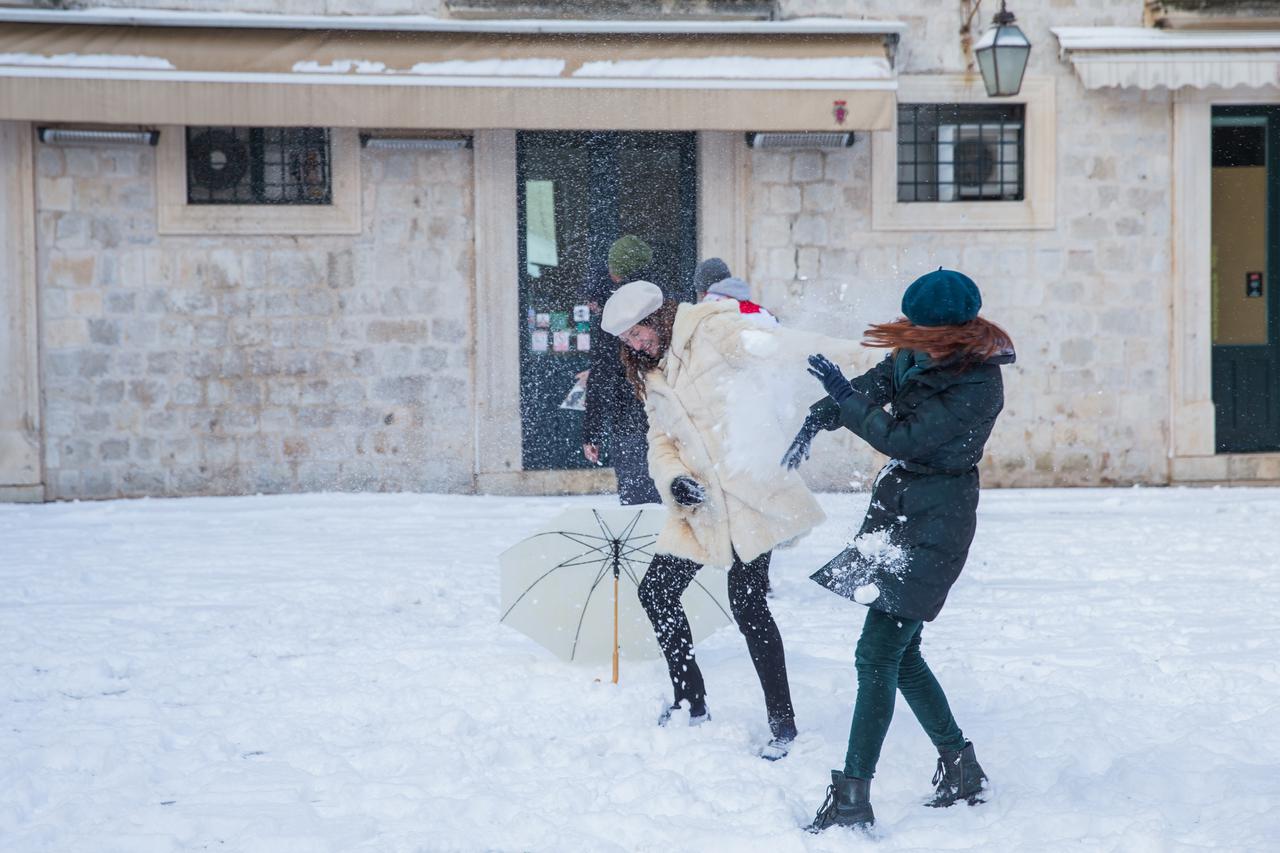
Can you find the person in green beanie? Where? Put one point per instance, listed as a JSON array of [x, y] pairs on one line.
[[942, 383], [613, 415], [629, 256]]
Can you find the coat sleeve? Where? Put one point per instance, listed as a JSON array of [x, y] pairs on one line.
[[606, 369], [664, 460], [876, 383], [946, 415], [744, 342]]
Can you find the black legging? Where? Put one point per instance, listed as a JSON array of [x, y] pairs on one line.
[[660, 593]]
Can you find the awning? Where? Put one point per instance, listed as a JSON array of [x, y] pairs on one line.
[[1171, 59], [412, 72]]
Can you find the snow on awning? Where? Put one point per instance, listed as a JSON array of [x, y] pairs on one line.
[[1171, 59], [188, 68]]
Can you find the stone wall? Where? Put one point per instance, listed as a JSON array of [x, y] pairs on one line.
[[226, 365], [200, 365], [1087, 303]]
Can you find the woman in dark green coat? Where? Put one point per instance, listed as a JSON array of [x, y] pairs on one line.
[[943, 387]]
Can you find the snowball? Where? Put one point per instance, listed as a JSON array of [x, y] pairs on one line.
[[760, 343], [866, 593]]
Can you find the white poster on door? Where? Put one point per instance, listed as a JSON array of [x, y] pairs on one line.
[[540, 223]]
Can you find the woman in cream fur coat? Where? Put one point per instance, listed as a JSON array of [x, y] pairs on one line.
[[707, 377]]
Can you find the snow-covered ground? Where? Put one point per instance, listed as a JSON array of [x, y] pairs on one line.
[[326, 673]]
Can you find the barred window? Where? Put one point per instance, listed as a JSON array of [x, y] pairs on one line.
[[259, 165], [961, 152]]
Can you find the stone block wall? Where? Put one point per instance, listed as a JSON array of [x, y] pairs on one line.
[[233, 364], [1087, 303]]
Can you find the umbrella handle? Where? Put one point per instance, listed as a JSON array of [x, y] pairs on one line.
[[615, 629]]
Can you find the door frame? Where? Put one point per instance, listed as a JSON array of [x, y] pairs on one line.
[[1192, 457], [721, 224], [22, 445]]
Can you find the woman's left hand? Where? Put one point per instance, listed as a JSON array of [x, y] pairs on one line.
[[832, 377], [799, 450]]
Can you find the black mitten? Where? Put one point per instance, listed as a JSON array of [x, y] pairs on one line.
[[688, 491]]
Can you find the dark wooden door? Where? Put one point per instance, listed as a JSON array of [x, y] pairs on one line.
[[1246, 302], [577, 193]]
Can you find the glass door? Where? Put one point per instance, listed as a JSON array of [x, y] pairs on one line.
[[577, 193], [1246, 308]]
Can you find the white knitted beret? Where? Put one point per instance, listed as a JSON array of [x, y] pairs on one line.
[[630, 304]]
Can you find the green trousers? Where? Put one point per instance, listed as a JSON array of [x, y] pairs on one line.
[[888, 660]]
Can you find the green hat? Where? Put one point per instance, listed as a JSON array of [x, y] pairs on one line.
[[941, 298], [628, 257]]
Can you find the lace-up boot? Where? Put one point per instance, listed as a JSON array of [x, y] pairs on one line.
[[848, 803], [958, 777]]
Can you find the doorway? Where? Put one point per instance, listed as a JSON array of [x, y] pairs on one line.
[[1245, 303], [577, 192]]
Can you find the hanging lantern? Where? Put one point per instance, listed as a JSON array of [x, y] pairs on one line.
[[1002, 55]]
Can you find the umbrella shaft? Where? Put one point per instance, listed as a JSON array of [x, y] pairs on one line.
[[615, 629]]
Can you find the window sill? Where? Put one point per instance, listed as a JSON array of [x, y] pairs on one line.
[[176, 216], [1036, 212]]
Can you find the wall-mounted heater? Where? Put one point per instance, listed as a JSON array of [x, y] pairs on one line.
[[799, 140], [415, 143], [93, 136]]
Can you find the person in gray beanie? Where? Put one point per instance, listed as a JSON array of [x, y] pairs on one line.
[[707, 273], [737, 289]]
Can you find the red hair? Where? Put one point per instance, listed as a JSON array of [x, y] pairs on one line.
[[965, 344]]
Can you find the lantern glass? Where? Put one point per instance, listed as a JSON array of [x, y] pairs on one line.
[[1002, 58]]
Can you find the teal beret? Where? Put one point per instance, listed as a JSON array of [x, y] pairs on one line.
[[941, 298]]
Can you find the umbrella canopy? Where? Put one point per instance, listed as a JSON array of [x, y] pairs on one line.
[[560, 586]]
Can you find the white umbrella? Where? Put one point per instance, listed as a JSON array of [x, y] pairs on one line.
[[573, 587]]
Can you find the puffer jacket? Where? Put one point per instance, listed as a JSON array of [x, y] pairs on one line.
[[915, 537]]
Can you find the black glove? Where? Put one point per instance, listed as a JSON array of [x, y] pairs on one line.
[[825, 413], [799, 449], [687, 491], [832, 378]]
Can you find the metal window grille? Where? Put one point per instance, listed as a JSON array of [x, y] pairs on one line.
[[961, 152], [259, 165]]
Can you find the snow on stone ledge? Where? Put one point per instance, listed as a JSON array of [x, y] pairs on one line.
[[340, 66], [492, 68], [744, 67], [87, 60], [448, 68]]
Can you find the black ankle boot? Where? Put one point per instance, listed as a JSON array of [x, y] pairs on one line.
[[698, 714], [784, 734], [848, 804], [958, 777]]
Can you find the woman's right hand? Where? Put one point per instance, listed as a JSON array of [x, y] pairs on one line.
[[833, 380], [592, 452]]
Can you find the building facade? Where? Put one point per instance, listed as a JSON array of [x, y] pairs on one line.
[[342, 248]]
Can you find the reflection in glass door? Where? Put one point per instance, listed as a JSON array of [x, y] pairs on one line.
[[1246, 309], [577, 193]]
